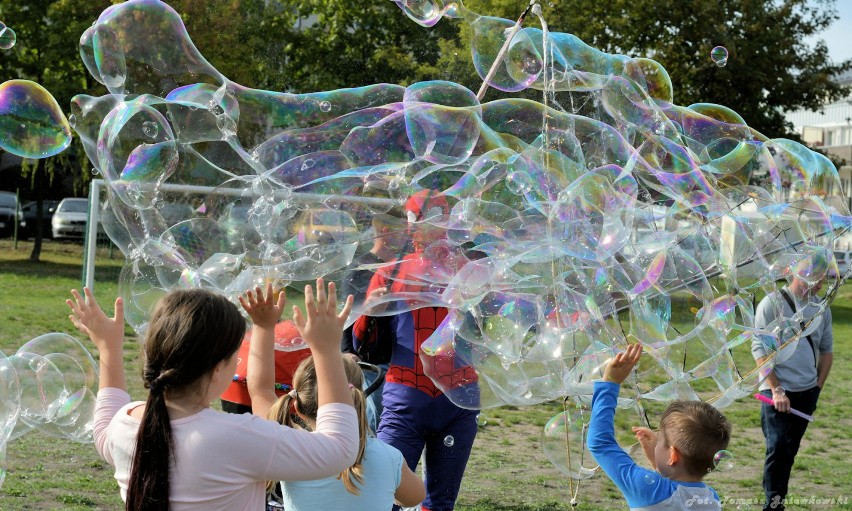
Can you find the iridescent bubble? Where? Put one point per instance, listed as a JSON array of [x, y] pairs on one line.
[[31, 123], [451, 10], [449, 441], [564, 444], [522, 65], [109, 56], [8, 38], [518, 182], [481, 421], [10, 399], [424, 12], [650, 478], [325, 106], [723, 461], [719, 56], [57, 384], [150, 129]]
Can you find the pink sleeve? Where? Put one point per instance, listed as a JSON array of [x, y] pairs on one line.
[[110, 401], [303, 456]]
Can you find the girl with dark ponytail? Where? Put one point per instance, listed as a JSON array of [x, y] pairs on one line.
[[172, 452]]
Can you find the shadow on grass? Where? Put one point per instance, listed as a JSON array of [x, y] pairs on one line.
[[50, 269]]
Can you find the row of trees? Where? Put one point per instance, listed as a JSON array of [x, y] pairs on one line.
[[312, 45]]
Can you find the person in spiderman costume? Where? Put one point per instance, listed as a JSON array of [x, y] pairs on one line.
[[416, 413]]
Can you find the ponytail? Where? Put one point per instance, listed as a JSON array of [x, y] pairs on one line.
[[281, 413], [148, 488], [303, 399], [355, 473], [190, 332]]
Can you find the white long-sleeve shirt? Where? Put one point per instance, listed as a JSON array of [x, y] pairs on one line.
[[222, 460]]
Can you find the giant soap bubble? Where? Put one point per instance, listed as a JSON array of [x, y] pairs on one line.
[[48, 385], [560, 229], [31, 123]]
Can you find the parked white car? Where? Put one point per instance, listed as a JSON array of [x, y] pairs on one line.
[[69, 220]]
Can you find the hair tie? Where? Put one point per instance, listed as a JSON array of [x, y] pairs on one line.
[[351, 386], [293, 394]]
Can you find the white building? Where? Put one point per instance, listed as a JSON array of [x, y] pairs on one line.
[[831, 131]]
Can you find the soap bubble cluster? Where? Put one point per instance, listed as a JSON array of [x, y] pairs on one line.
[[48, 385], [554, 231], [557, 237]]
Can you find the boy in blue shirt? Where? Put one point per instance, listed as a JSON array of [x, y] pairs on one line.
[[691, 433]]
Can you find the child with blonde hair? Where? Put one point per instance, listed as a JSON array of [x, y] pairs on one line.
[[376, 479], [691, 433]]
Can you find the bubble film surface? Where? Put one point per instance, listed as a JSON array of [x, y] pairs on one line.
[[31, 123], [554, 231], [8, 38], [49, 385]]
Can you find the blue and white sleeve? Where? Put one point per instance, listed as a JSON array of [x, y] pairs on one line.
[[641, 487]]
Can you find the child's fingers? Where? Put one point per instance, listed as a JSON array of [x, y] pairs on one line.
[[347, 308], [77, 297], [282, 300], [90, 298], [243, 303], [310, 306], [268, 298], [119, 311], [321, 297], [637, 352], [72, 305], [332, 298], [297, 317]]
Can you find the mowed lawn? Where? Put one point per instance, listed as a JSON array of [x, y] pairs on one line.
[[507, 470]]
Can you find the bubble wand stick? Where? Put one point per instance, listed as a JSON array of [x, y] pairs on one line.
[[503, 51], [769, 401]]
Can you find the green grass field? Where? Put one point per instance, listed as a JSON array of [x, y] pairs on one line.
[[507, 470]]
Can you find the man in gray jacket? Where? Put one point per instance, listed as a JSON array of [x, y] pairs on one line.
[[799, 373]]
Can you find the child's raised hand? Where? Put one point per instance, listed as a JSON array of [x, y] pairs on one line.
[[645, 435], [88, 317], [321, 326], [263, 311], [619, 367], [648, 440], [373, 296]]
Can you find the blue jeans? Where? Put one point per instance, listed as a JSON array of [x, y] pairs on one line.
[[413, 421], [783, 432]]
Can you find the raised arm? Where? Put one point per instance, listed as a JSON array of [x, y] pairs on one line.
[[321, 327], [264, 311], [106, 333]]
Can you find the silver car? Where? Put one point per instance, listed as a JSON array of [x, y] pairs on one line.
[[69, 220]]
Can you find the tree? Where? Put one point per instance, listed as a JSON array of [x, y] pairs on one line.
[[771, 68], [311, 45], [48, 34], [303, 46]]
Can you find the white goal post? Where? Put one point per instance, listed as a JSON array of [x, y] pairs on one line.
[[98, 187]]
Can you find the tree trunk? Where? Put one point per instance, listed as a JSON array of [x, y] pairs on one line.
[[38, 188]]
